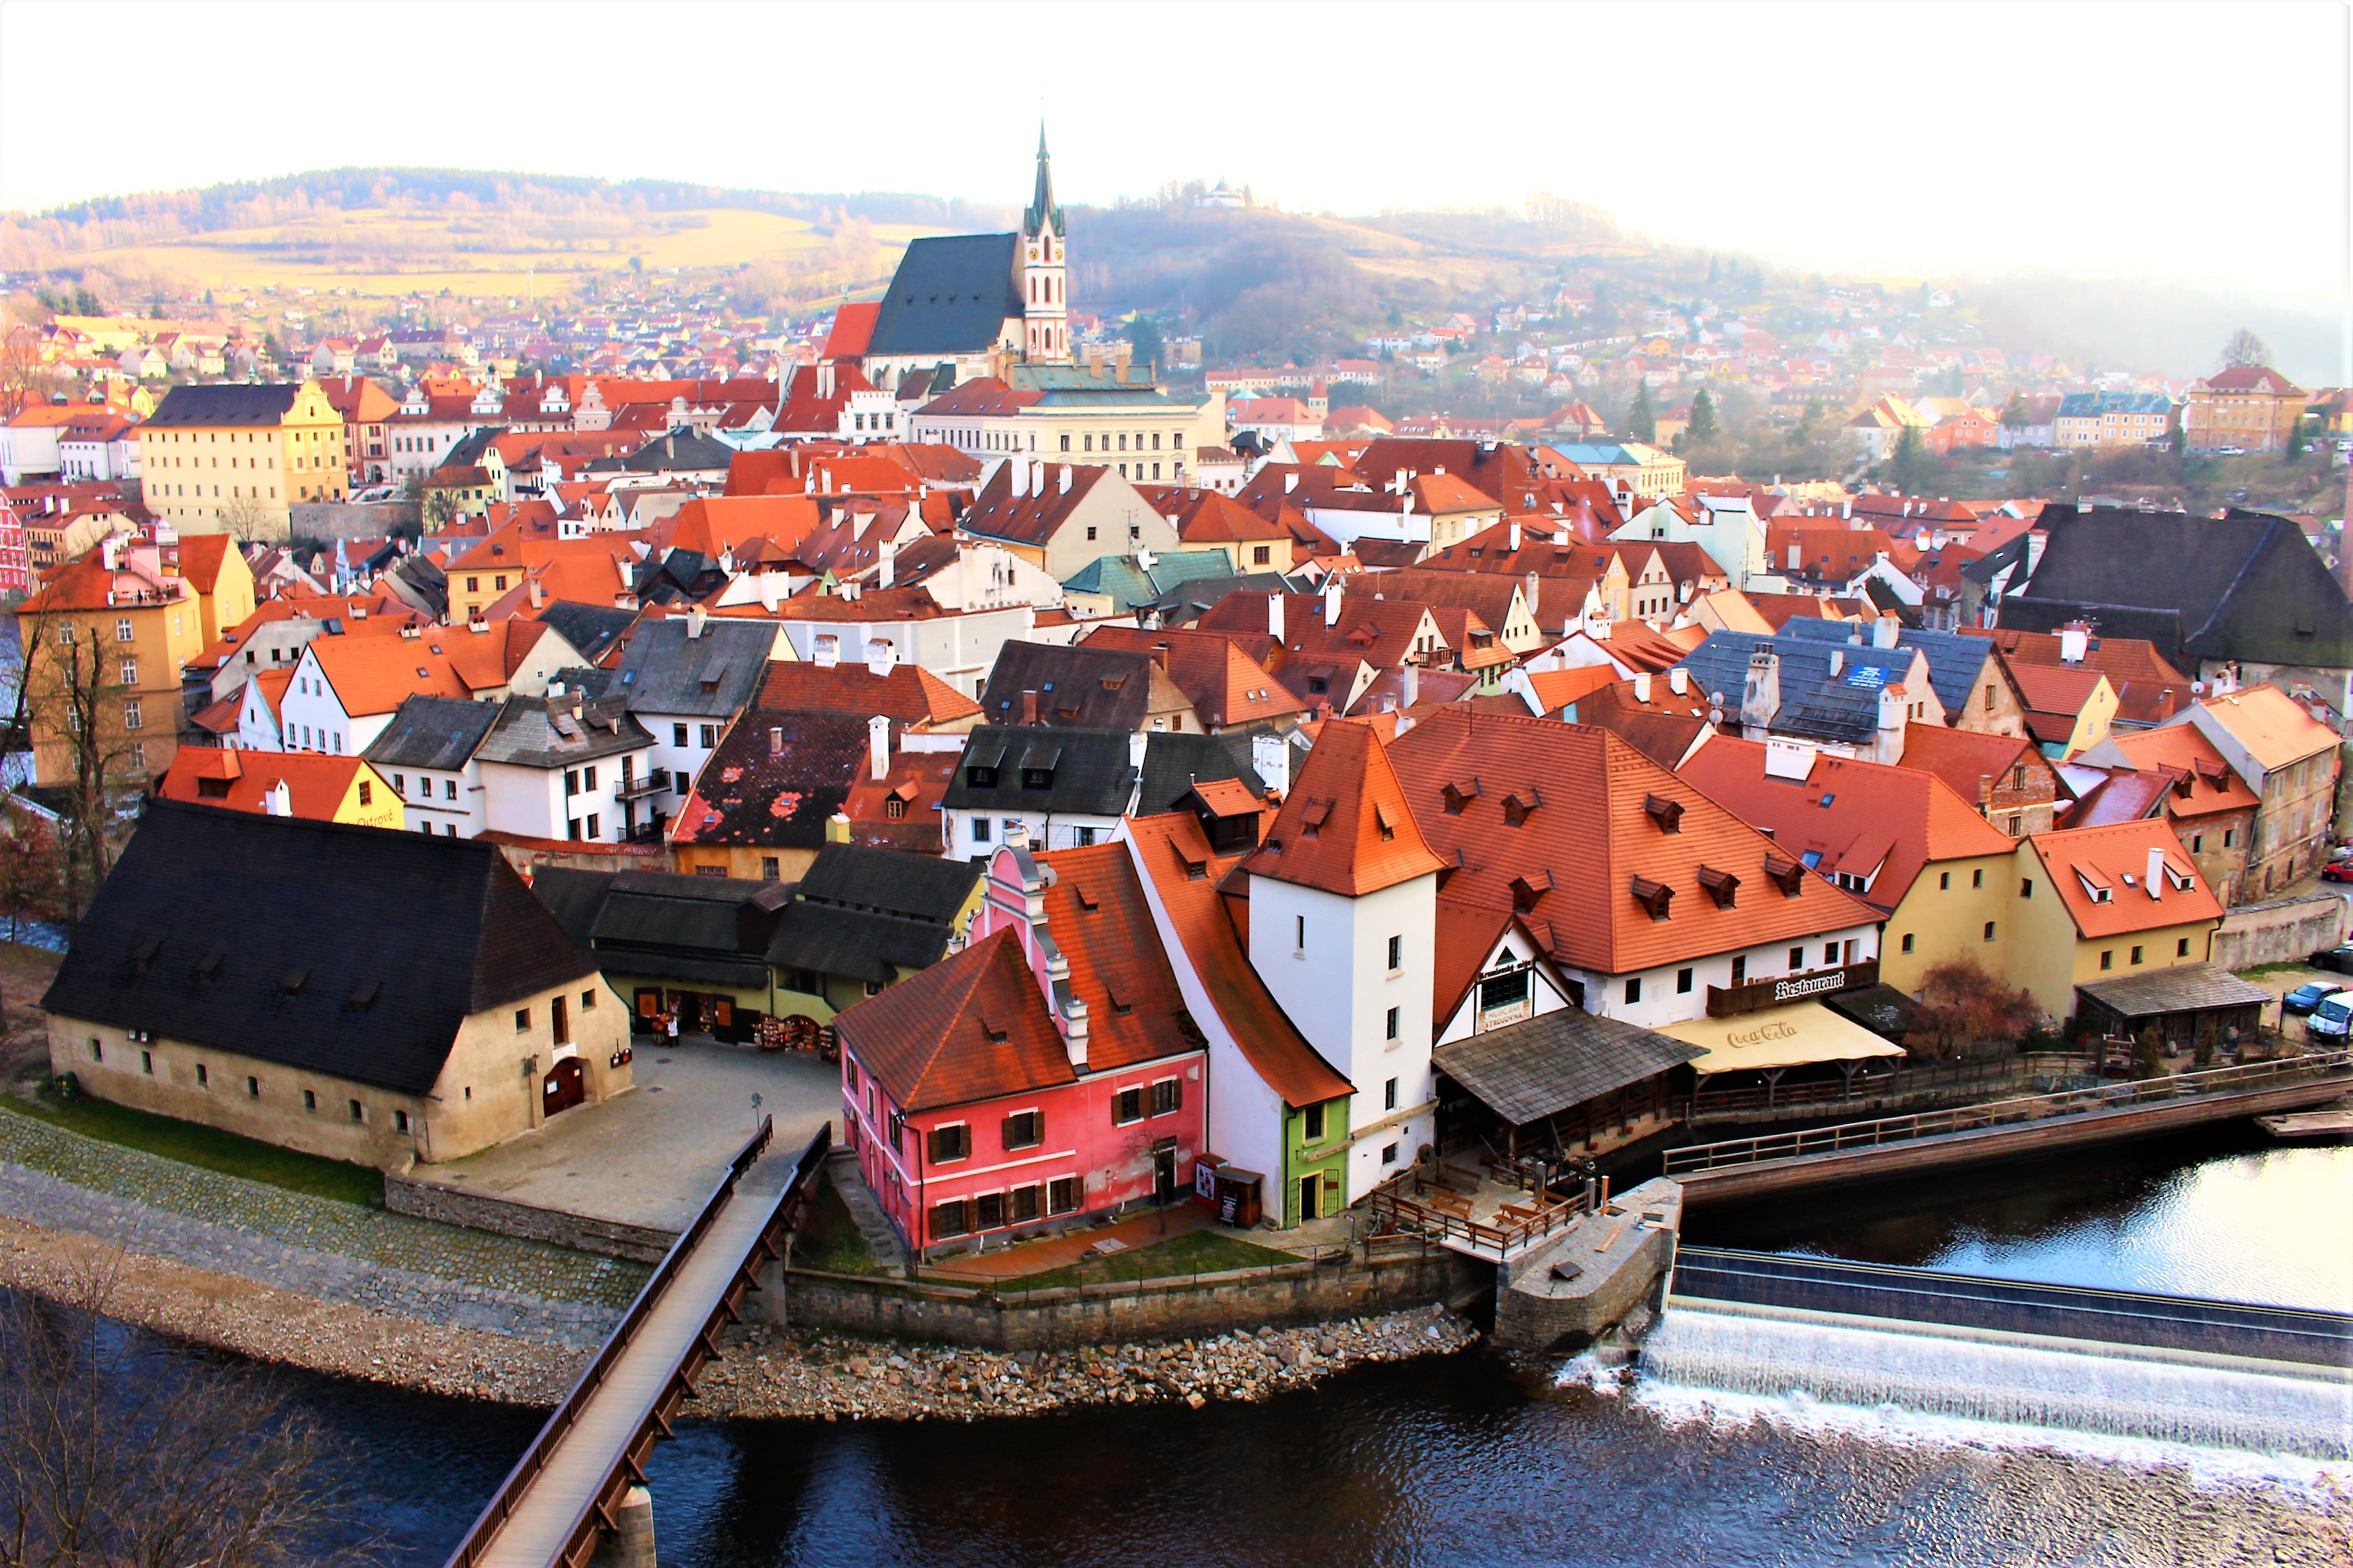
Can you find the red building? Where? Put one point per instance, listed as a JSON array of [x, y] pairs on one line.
[[1049, 1072]]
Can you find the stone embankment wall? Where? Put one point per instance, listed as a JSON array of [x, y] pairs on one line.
[[2282, 930], [405, 1194], [1185, 1306]]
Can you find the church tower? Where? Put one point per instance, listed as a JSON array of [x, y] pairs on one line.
[[1045, 310]]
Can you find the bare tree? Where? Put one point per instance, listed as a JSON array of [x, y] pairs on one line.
[[247, 521], [2245, 349], [112, 1456], [72, 705]]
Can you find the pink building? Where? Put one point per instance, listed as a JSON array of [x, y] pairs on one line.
[[16, 569], [1047, 1072]]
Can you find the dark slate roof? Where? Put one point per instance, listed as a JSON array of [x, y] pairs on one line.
[[352, 952], [951, 296], [854, 944], [889, 882], [1077, 688], [2242, 586], [1173, 764], [715, 676], [751, 795], [225, 403], [668, 925], [1955, 662], [573, 896], [2185, 987], [1090, 771], [1184, 603], [427, 585], [680, 451], [591, 628], [467, 452], [433, 733], [552, 733], [1526, 1071]]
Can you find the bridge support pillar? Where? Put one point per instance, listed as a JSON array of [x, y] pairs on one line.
[[631, 1546]]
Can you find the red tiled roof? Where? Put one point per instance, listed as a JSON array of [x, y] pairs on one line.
[[909, 694], [1168, 848], [1967, 761], [315, 785], [1346, 829], [2086, 862], [1097, 914], [971, 1027], [1583, 827]]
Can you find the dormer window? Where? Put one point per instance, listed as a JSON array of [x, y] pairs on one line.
[[1656, 897], [1310, 821], [1721, 885], [1459, 795], [1521, 804], [1786, 874], [1529, 887], [1381, 817], [1668, 814], [980, 778]]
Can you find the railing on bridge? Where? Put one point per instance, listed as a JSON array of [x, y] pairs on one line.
[[1420, 1205], [597, 1515], [1890, 1087], [1732, 1152]]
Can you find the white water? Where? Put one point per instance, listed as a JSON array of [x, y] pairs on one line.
[[1917, 1383]]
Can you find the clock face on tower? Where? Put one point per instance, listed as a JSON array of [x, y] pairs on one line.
[[1033, 253]]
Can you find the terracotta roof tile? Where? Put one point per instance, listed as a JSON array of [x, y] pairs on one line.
[[2087, 868], [1346, 827]]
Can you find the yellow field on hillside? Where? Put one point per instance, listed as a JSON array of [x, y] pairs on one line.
[[375, 252]]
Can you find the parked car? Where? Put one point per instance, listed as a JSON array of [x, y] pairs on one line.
[[2230, 451], [2339, 958], [2301, 1001], [2338, 871], [2333, 1019]]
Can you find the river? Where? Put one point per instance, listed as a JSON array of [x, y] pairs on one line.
[[1465, 1461]]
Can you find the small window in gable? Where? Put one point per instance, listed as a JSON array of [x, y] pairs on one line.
[[1668, 814]]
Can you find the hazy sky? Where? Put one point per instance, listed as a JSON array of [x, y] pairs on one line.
[[2192, 139]]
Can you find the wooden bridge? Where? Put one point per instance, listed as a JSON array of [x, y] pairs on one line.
[[1740, 1168], [566, 1495]]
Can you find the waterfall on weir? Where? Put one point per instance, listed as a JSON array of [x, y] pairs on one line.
[[2071, 1384]]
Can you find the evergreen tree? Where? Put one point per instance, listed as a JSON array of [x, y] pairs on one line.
[[1641, 422], [1912, 466], [1703, 428]]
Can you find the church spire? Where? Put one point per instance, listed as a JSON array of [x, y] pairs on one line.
[[1043, 213]]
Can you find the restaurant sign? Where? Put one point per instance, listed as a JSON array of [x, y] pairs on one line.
[[1725, 1001]]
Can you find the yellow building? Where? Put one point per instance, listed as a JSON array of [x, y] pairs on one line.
[[105, 639], [234, 458], [2254, 408], [2102, 903], [284, 783], [2069, 708], [223, 583]]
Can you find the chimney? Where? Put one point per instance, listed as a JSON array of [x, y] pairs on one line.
[[1029, 707], [2156, 875], [1020, 477], [1760, 693], [889, 574], [825, 380], [1837, 662], [1332, 594], [1679, 680], [1135, 744], [1064, 488], [696, 617], [2165, 704], [1274, 616], [279, 802], [1512, 536], [1643, 686], [829, 651], [1885, 631], [878, 746], [837, 828], [881, 656], [2074, 642], [1290, 481], [1270, 756], [1412, 684], [538, 596], [775, 740]]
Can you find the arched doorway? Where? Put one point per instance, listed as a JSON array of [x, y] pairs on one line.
[[565, 1088]]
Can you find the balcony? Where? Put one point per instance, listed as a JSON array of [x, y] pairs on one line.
[[634, 788]]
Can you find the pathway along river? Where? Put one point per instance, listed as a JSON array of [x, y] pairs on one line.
[[1462, 1460]]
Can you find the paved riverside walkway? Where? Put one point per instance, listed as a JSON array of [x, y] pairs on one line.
[[60, 1180]]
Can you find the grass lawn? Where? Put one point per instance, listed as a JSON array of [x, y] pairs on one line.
[[1195, 1252], [205, 1147], [829, 1240]]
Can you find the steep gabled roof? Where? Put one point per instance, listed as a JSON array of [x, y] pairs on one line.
[[909, 695], [2098, 874], [241, 781], [669, 670], [429, 731], [764, 790], [1171, 850], [236, 931], [1346, 827], [952, 295], [223, 404], [972, 1027], [1077, 687]]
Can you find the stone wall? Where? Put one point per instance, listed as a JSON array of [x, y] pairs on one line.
[[405, 1194], [2280, 930], [1185, 1306], [331, 520]]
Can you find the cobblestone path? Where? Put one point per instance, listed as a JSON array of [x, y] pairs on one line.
[[435, 1273]]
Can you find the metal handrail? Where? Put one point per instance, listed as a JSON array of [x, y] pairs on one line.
[[1555, 1214], [519, 1479], [1968, 1117]]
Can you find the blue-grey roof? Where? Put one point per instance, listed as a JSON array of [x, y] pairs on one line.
[[1954, 661], [1126, 583], [433, 733], [225, 403], [2089, 404], [952, 295], [1595, 454], [1815, 703], [715, 676]]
